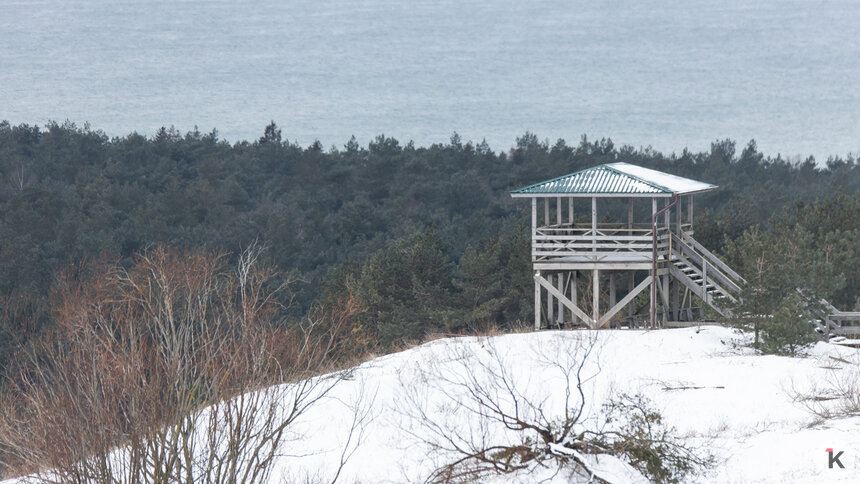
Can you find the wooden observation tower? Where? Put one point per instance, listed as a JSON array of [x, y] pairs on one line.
[[582, 268]]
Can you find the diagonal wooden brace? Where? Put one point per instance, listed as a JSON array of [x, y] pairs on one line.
[[564, 300], [629, 297]]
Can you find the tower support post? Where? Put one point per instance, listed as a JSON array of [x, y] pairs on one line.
[[537, 301]]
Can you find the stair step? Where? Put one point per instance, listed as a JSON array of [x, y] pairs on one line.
[[698, 282]]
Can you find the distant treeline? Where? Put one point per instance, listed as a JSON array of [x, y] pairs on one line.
[[422, 239]]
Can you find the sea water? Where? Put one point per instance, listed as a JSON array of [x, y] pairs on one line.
[[663, 74]]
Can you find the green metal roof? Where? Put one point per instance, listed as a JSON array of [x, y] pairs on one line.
[[615, 179]]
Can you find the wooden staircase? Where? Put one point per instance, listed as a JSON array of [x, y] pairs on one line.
[[719, 287], [705, 275], [831, 321]]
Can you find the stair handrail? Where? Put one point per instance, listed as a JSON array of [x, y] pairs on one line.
[[820, 307], [715, 272], [711, 257], [700, 291], [708, 280]]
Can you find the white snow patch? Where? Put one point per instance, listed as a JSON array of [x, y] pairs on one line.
[[674, 183]]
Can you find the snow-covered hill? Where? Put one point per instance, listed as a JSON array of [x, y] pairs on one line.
[[704, 381], [388, 414]]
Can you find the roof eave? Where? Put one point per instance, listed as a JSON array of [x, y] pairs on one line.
[[696, 192], [618, 195], [589, 195]]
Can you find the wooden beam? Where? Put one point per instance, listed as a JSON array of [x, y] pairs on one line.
[[570, 210], [558, 212], [550, 312], [612, 299], [625, 301], [630, 213], [675, 289], [667, 218], [690, 324], [645, 238], [665, 293], [846, 316], [631, 281], [567, 302], [537, 302], [690, 211], [594, 220], [560, 286], [642, 265], [595, 292], [653, 299], [666, 214], [546, 220], [573, 284]]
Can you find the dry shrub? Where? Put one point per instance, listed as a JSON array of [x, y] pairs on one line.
[[836, 394], [167, 371], [481, 412]]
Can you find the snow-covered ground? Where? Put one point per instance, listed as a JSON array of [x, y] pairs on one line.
[[704, 381], [707, 384]]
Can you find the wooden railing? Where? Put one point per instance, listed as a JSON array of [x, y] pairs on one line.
[[831, 320], [566, 240]]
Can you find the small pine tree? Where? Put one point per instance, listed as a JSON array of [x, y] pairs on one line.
[[777, 264], [790, 328]]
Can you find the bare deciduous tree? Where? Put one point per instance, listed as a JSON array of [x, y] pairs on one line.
[[497, 420], [481, 410], [20, 177], [178, 369]]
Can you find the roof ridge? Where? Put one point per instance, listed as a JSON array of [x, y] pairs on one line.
[[647, 182]]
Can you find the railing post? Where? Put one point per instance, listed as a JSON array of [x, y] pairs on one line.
[[594, 224], [705, 280]]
